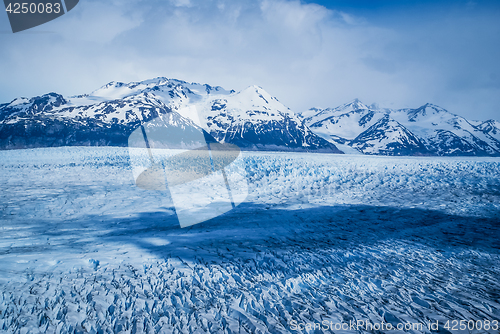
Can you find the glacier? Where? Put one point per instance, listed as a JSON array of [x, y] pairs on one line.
[[319, 237]]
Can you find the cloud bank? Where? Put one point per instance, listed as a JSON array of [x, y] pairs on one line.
[[306, 54]]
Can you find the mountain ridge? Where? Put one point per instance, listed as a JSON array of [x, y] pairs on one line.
[[257, 120], [252, 119], [439, 132]]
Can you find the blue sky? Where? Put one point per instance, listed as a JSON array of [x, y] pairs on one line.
[[307, 54], [404, 5]]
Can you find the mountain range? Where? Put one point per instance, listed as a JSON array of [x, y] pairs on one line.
[[251, 119], [427, 130]]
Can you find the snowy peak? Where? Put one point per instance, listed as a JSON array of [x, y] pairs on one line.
[[356, 104], [428, 129], [256, 93], [427, 110], [491, 127], [344, 123], [107, 123], [388, 137], [259, 97], [173, 92], [24, 107], [252, 102], [38, 103], [117, 90], [131, 109], [315, 115], [254, 119]]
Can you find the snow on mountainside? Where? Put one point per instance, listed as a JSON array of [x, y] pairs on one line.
[[252, 118], [345, 122], [491, 128], [51, 120], [427, 130], [388, 137], [438, 128]]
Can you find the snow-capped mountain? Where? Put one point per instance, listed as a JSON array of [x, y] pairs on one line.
[[252, 119], [388, 137], [344, 123], [491, 128], [51, 120], [427, 130]]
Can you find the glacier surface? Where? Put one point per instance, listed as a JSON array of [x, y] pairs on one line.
[[320, 237]]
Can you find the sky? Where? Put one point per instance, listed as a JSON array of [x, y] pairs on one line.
[[314, 53]]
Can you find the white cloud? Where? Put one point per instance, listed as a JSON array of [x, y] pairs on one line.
[[304, 54], [98, 22], [182, 3]]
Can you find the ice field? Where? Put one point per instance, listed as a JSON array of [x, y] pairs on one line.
[[320, 237]]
